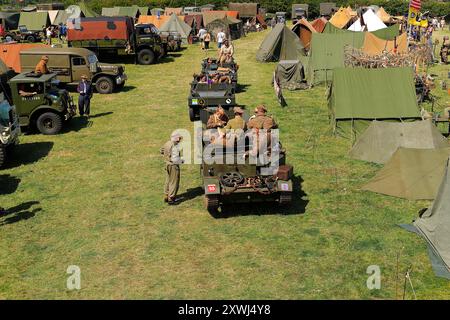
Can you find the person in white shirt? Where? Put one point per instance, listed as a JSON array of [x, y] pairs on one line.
[[221, 36], [201, 34]]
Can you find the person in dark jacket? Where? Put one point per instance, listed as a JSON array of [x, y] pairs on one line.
[[84, 100]]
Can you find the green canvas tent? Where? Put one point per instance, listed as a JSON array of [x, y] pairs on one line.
[[110, 12], [327, 53], [358, 96], [434, 226], [381, 139], [61, 17], [128, 11], [413, 174], [34, 21], [388, 33], [280, 44], [143, 10], [231, 26], [174, 24], [86, 11], [290, 75]]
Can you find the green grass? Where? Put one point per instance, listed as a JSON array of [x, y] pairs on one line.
[[99, 206]]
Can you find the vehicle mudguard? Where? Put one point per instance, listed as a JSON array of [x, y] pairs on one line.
[[211, 185], [284, 186]]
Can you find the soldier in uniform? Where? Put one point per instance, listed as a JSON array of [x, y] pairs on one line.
[[218, 119], [172, 157], [261, 121], [237, 122], [41, 67]]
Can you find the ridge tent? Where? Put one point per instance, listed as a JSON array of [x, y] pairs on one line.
[[142, 10], [210, 16], [61, 17], [34, 21], [51, 15], [370, 23], [327, 8], [157, 21], [384, 16], [174, 24], [280, 44], [304, 30], [434, 226], [170, 11], [110, 12], [319, 24], [232, 27], [86, 12], [132, 12], [9, 20], [358, 96], [381, 139], [342, 18], [327, 53], [375, 46], [195, 21], [413, 174], [246, 10]]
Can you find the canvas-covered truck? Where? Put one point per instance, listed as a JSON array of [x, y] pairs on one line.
[[9, 128], [40, 103], [71, 63], [234, 173], [116, 36]]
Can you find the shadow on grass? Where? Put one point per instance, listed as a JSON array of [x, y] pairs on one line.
[[19, 213], [8, 184], [166, 59], [27, 153], [189, 194], [76, 124], [241, 87], [127, 89], [297, 206], [98, 115]]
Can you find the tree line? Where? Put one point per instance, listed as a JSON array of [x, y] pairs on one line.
[[393, 7]]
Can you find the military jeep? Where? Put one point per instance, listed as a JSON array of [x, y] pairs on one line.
[[211, 66], [230, 175], [9, 128], [23, 34], [40, 103], [209, 95]]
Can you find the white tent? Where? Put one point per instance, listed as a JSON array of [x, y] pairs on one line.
[[51, 14], [371, 22]]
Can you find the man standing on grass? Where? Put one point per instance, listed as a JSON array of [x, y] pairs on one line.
[[84, 100], [172, 157], [221, 36]]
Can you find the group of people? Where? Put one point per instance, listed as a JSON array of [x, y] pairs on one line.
[[217, 77], [226, 129], [55, 31], [84, 88]]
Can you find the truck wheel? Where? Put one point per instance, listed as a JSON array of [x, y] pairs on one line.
[[285, 198], [146, 56], [31, 39], [212, 203], [49, 123], [104, 85], [2, 155]]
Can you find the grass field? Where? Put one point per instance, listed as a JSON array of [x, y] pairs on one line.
[[92, 197]]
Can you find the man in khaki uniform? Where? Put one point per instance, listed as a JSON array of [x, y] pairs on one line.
[[261, 120], [41, 67], [226, 53], [172, 158], [237, 122]]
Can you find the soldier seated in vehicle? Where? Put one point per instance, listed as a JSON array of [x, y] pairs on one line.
[[218, 119], [234, 130], [262, 139], [28, 90], [200, 78], [226, 53]]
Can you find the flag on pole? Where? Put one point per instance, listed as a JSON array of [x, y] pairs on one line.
[[414, 15]]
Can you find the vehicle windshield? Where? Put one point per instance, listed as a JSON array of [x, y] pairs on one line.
[[23, 29], [92, 59], [5, 109]]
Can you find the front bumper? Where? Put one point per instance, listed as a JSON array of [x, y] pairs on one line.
[[121, 79]]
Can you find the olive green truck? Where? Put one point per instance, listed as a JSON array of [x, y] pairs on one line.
[[71, 63]]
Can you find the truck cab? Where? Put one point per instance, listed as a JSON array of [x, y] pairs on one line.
[[149, 45], [40, 103], [9, 128], [70, 64]]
